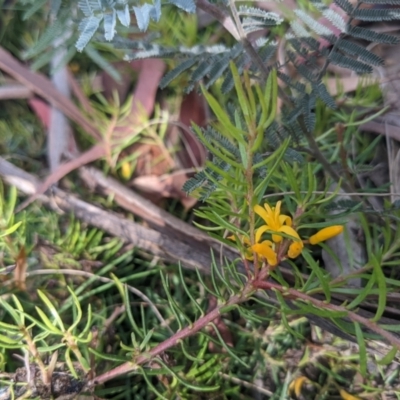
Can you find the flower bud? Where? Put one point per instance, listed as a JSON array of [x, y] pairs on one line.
[[326, 233]]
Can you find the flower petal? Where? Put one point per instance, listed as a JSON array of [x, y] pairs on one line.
[[289, 231], [264, 249], [326, 233], [277, 209], [263, 214], [285, 218], [260, 231]]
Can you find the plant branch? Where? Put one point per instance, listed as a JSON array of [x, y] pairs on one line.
[[296, 295], [173, 340]]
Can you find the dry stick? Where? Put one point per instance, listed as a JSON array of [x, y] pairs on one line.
[[191, 253]]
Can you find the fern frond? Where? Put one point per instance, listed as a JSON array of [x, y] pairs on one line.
[[87, 28], [359, 51], [142, 15], [299, 29], [199, 73], [171, 75], [313, 24], [258, 13], [291, 156], [292, 83], [308, 103], [217, 70], [185, 5], [346, 6], [374, 15], [212, 135], [194, 183], [347, 62], [124, 15], [222, 64], [110, 20], [267, 52], [390, 2], [88, 7], [368, 34], [323, 94], [335, 18]]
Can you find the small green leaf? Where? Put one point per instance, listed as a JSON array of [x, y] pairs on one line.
[[78, 308], [47, 322], [52, 309], [362, 349], [10, 230], [389, 357], [381, 280]]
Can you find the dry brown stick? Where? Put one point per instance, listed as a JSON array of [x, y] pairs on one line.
[[192, 254]]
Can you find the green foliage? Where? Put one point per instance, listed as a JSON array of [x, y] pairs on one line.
[[160, 331]]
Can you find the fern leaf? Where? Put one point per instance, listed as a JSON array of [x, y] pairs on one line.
[[367, 34], [186, 5], [359, 51], [124, 16], [291, 156], [213, 135], [148, 52], [88, 7], [324, 95], [171, 75], [308, 103], [346, 6], [110, 20], [194, 183], [199, 73], [390, 2], [299, 29], [258, 13], [292, 83], [374, 15], [313, 24], [220, 66], [218, 69], [335, 18], [87, 28], [347, 62], [142, 15], [155, 13]]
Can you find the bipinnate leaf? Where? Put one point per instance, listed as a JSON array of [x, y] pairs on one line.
[[186, 5], [88, 28]]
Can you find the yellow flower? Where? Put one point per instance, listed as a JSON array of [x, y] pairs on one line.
[[275, 222], [326, 233], [265, 250], [295, 249]]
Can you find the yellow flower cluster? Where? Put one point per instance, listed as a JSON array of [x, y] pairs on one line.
[[278, 225]]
